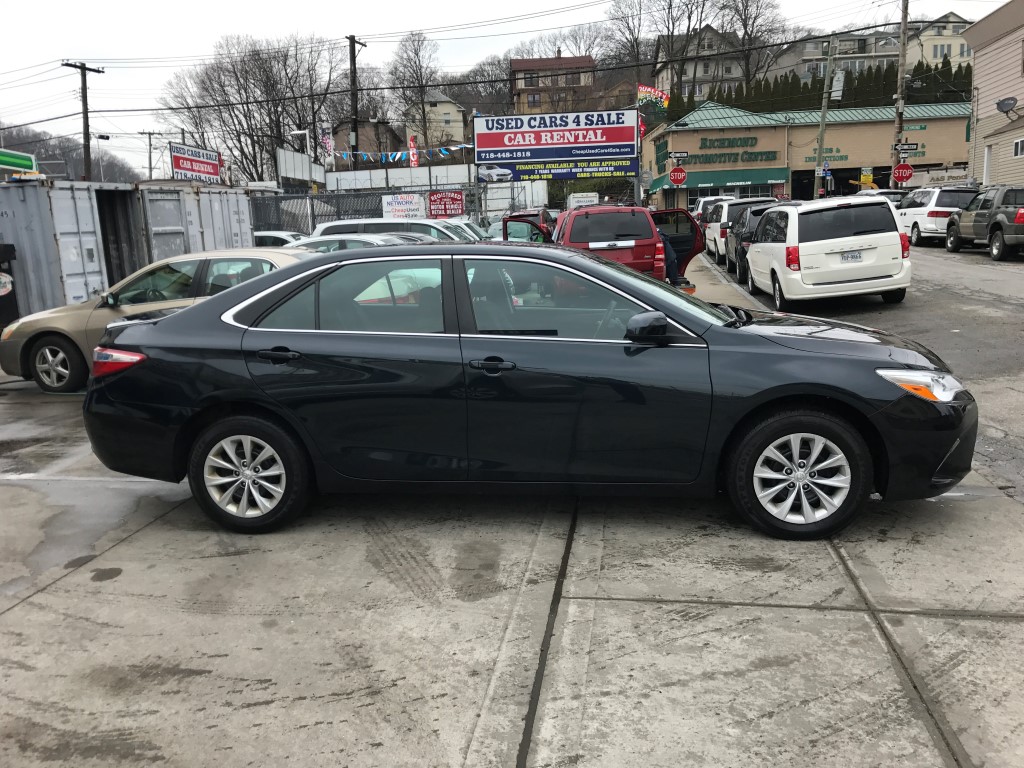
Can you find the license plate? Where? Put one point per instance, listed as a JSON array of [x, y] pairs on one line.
[[850, 256]]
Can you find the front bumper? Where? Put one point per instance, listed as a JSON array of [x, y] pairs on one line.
[[929, 446], [795, 288], [10, 357]]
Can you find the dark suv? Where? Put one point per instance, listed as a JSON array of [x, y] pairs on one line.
[[995, 216], [623, 233]]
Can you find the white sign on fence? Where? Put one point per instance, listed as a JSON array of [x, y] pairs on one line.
[[404, 206]]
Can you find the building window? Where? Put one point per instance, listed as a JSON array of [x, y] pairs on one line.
[[573, 78], [433, 103], [728, 69], [862, 46], [533, 99], [707, 68], [1018, 148], [940, 31], [958, 29], [965, 51], [938, 51], [446, 118], [531, 79], [684, 70]]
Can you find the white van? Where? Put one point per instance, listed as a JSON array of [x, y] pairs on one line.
[[841, 246]]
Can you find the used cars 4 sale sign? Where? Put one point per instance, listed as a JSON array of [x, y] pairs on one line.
[[568, 145]]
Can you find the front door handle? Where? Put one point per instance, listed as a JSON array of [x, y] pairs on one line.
[[492, 366], [278, 355]]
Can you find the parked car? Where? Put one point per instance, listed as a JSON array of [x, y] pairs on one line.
[[52, 347], [702, 205], [682, 231], [740, 234], [623, 233], [318, 378], [924, 213], [328, 243], [490, 173], [840, 246], [495, 231], [382, 226], [720, 218], [894, 196], [274, 238], [471, 230], [994, 216]]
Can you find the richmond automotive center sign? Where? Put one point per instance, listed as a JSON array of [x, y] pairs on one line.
[[568, 145], [195, 164]]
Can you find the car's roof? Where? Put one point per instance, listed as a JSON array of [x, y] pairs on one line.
[[344, 236], [943, 189], [288, 232], [228, 252], [375, 221], [607, 208], [831, 202]]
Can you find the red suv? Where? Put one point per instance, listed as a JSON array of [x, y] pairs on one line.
[[626, 234]]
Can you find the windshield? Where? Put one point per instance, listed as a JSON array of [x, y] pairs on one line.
[[681, 302], [456, 232], [615, 225], [846, 221], [479, 232]]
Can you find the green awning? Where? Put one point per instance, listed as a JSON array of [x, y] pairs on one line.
[[741, 177]]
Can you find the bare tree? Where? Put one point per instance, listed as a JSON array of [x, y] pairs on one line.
[[412, 72], [626, 25], [247, 100], [62, 155], [756, 23], [585, 39], [484, 88]]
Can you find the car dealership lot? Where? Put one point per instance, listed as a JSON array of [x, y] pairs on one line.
[[410, 630]]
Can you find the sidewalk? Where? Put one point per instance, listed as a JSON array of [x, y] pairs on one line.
[[714, 288]]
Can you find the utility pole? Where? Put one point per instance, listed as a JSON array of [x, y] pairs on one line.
[[86, 148], [901, 92], [353, 84], [149, 135], [824, 113]]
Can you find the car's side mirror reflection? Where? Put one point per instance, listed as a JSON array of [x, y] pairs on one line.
[[648, 328], [110, 299]]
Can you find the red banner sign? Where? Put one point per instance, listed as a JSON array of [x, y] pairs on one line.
[[442, 204], [195, 164]]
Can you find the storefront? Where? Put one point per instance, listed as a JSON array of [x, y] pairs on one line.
[[744, 154]]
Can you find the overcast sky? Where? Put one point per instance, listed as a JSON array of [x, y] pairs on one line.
[[101, 33]]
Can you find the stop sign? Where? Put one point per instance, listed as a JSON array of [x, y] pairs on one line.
[[903, 172], [677, 176]]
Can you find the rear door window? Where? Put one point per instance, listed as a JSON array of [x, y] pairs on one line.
[[954, 198], [846, 221], [1014, 198], [773, 227], [609, 227], [227, 273], [341, 229], [986, 201]]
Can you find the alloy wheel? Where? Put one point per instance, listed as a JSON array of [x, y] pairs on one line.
[[53, 366], [244, 476], [802, 478], [915, 235]]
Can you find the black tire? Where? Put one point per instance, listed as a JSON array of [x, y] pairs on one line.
[[894, 297], [915, 236], [953, 241], [730, 264], [741, 270], [747, 454], [997, 247], [719, 257], [57, 365], [782, 304], [752, 288], [290, 460]]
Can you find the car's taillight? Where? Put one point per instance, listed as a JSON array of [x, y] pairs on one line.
[[905, 244], [722, 233], [793, 257], [107, 361], [1019, 218], [938, 214], [659, 252]]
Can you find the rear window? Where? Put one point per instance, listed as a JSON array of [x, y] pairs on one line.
[[604, 227], [848, 221], [1014, 197], [954, 198]]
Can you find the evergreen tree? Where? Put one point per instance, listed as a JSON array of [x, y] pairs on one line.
[[691, 102], [960, 84], [889, 84], [775, 97], [739, 97], [944, 82], [676, 105]]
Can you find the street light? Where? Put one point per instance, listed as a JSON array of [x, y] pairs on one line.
[[101, 137], [309, 152]]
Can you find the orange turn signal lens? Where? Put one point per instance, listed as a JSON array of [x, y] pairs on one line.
[[920, 390]]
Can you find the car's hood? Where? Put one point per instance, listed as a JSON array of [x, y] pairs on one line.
[[815, 334], [50, 314]]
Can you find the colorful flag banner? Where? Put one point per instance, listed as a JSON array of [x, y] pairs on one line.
[[645, 94]]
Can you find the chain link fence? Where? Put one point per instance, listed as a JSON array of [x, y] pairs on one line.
[[302, 213]]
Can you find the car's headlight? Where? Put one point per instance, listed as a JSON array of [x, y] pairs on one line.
[[6, 334], [936, 386]]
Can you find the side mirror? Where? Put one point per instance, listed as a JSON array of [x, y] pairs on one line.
[[648, 328], [725, 225], [110, 299]]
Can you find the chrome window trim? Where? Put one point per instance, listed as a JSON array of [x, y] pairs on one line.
[[621, 342], [585, 276]]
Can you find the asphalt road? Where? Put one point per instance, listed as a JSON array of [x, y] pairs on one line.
[[970, 310], [528, 632]]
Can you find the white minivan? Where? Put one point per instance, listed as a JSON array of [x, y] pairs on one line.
[[841, 246], [924, 213]]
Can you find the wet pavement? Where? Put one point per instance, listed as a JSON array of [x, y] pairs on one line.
[[481, 631]]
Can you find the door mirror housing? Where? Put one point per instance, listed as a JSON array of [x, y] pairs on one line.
[[110, 299], [648, 328]]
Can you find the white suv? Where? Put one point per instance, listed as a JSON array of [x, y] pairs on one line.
[[842, 246], [924, 213], [721, 213]]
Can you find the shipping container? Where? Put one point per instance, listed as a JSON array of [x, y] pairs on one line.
[[74, 239]]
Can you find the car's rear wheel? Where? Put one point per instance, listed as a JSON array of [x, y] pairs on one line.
[[57, 366], [719, 256], [953, 242], [249, 474], [800, 474], [997, 247], [894, 297], [752, 288], [915, 235], [730, 264], [782, 304]]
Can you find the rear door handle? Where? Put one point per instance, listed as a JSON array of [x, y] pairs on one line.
[[278, 355], [492, 366]]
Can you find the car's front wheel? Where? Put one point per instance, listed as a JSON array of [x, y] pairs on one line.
[[57, 366], [800, 474], [752, 288], [249, 474]]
